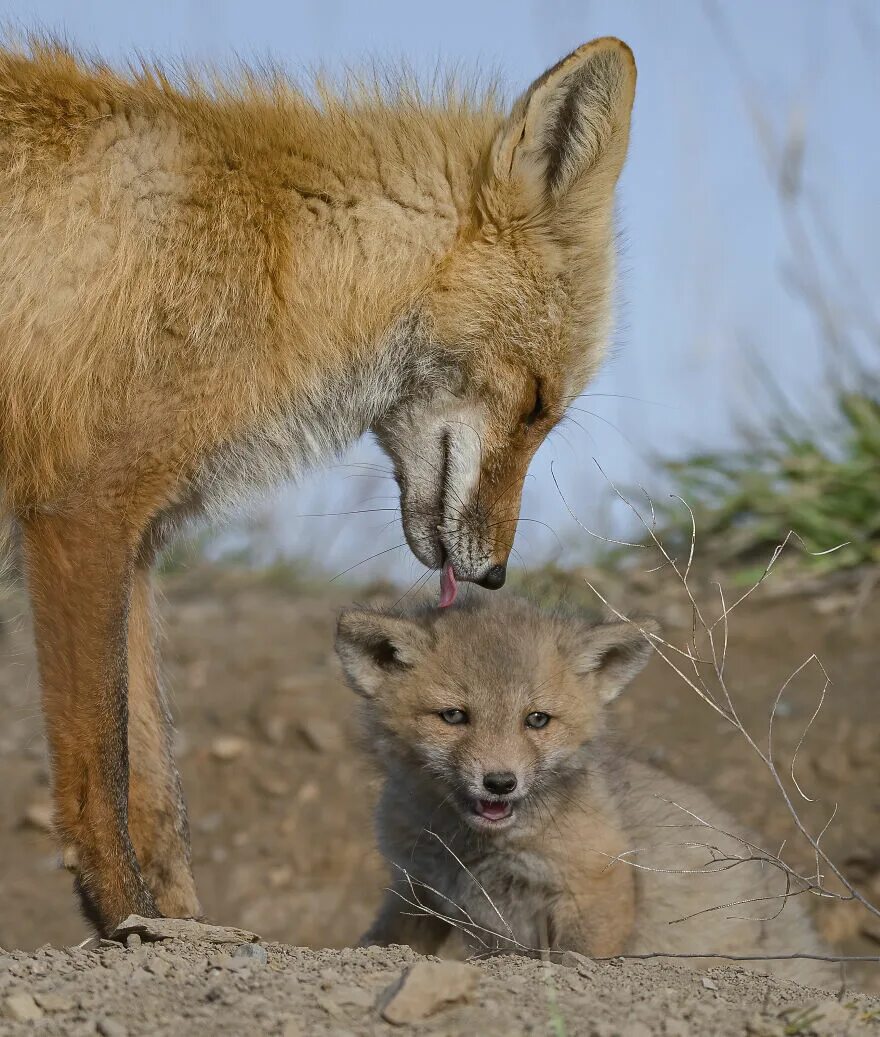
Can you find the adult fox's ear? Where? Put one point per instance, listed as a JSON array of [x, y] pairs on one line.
[[571, 123], [372, 646], [612, 654]]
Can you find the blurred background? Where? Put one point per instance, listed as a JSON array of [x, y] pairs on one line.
[[743, 378]]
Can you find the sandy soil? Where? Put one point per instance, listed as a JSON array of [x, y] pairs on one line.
[[279, 802], [175, 988]]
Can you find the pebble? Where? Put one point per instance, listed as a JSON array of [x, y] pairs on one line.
[[275, 729], [132, 940], [54, 1002], [253, 952], [574, 960], [354, 997], [23, 1008], [38, 816], [637, 1029], [323, 736], [228, 747], [273, 786], [226, 961], [330, 1005], [427, 987], [110, 1028], [329, 977]]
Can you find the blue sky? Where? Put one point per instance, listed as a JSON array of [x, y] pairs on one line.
[[706, 267]]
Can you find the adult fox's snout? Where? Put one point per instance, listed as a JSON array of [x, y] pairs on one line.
[[461, 486]]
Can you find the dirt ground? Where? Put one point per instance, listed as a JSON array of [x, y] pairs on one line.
[[175, 988], [279, 799]]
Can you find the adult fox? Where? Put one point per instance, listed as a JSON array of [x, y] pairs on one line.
[[206, 289]]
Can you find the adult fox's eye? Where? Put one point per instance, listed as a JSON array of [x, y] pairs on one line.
[[537, 720], [537, 410], [453, 716]]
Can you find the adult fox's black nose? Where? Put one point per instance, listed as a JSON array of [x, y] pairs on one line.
[[494, 578], [499, 782]]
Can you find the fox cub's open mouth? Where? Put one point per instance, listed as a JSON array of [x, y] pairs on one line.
[[491, 813]]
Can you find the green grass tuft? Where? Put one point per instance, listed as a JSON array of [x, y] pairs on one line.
[[823, 484]]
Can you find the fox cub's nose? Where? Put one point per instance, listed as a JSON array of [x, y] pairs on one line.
[[499, 782]]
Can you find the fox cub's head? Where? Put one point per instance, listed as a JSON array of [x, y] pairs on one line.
[[516, 313], [498, 707]]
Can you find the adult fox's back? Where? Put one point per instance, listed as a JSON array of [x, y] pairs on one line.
[[149, 231], [205, 287]]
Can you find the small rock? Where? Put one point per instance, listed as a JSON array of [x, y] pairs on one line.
[[181, 929], [308, 792], [353, 997], [294, 683], [23, 1008], [158, 966], [38, 816], [760, 1027], [275, 729], [252, 952], [210, 822], [574, 960], [709, 984], [831, 1018], [273, 786], [323, 736], [329, 978], [280, 876], [228, 747], [330, 1005], [603, 1029], [227, 961], [132, 940], [110, 1028], [426, 988], [54, 1002], [636, 1029]]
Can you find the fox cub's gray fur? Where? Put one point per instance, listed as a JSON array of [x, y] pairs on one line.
[[520, 828]]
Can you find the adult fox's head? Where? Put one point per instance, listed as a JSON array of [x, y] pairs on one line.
[[518, 313]]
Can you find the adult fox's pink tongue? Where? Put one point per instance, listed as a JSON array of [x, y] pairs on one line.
[[448, 586]]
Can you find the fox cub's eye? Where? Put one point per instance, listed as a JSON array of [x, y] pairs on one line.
[[537, 720], [537, 410], [453, 716]]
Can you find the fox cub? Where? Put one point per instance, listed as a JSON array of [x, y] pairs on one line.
[[510, 822]]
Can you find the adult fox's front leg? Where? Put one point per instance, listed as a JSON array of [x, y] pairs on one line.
[[156, 812], [80, 569]]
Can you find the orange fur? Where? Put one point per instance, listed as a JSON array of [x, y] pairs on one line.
[[205, 287]]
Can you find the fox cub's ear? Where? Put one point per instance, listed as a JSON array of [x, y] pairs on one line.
[[571, 121], [613, 653], [371, 646]]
